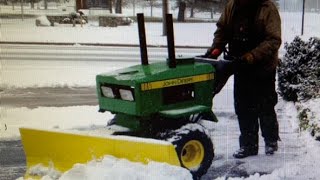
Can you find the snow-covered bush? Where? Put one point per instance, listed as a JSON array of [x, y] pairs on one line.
[[299, 81], [309, 116], [299, 70], [42, 21]]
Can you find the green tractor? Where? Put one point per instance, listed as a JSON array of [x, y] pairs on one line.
[[159, 108], [165, 101]]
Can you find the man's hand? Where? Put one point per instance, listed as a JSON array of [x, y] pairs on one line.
[[248, 57], [213, 53]]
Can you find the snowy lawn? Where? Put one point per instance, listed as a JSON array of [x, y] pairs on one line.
[[186, 34]]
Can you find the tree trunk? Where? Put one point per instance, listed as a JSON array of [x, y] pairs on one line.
[[22, 13], [110, 6], [45, 4], [119, 6], [181, 13], [151, 8], [193, 4], [192, 12], [134, 7], [32, 4]]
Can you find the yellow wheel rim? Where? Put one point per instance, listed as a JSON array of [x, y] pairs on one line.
[[192, 154]]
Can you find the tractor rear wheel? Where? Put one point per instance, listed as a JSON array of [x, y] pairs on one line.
[[194, 148]]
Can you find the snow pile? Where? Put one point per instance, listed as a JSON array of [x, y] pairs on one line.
[[113, 168], [117, 169], [42, 21], [74, 117], [44, 172]]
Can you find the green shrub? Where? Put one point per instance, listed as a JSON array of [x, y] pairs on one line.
[[299, 70]]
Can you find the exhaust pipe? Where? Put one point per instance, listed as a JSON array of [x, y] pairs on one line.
[[142, 39], [170, 41]]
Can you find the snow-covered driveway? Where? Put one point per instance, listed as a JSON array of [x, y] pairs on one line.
[[225, 133]]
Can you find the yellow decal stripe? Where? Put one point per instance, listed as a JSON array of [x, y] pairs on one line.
[[176, 82]]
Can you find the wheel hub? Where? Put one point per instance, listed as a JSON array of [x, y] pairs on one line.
[[192, 154]]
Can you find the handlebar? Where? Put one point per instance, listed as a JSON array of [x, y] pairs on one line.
[[212, 61], [227, 59], [224, 68]]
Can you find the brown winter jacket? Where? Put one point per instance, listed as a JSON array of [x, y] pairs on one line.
[[267, 25]]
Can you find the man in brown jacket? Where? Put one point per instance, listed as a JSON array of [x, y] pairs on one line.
[[251, 31]]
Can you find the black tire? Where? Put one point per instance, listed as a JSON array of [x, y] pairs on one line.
[[194, 148]]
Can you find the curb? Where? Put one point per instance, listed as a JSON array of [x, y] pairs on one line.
[[17, 16], [97, 44]]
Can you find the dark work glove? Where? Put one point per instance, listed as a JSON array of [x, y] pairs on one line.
[[248, 58]]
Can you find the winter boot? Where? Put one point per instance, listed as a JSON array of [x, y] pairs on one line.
[[271, 147], [246, 151]]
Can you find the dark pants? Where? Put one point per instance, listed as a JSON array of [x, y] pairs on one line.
[[255, 98]]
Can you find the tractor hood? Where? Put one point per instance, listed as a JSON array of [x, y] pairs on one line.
[[140, 74], [143, 90]]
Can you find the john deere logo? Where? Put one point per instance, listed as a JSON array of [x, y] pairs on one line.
[[176, 82]]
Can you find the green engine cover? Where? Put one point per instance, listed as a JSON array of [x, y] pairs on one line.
[[145, 90]]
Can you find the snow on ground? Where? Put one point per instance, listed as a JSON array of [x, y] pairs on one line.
[[188, 34], [121, 169], [74, 117], [305, 167], [35, 73], [87, 116], [93, 34], [117, 169]]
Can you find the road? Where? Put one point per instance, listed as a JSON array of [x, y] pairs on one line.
[[35, 58], [48, 97], [89, 53], [225, 133], [12, 160]]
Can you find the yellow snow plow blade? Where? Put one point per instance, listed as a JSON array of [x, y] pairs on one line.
[[62, 150]]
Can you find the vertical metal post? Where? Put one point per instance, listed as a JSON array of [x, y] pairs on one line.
[[302, 25], [164, 12], [142, 39], [170, 41], [134, 7], [22, 13], [110, 6]]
